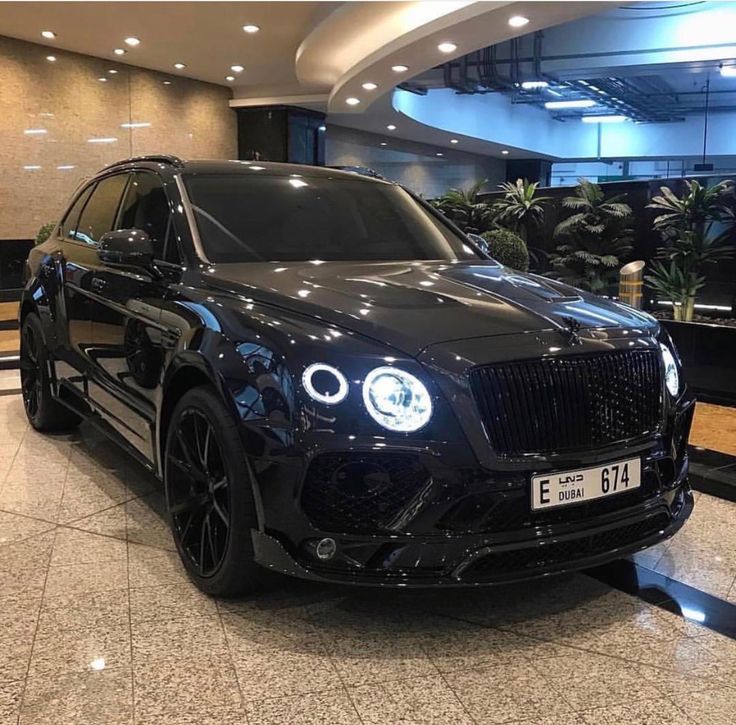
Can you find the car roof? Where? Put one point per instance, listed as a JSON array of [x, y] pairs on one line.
[[173, 165]]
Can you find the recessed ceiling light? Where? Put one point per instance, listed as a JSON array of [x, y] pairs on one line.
[[237, 68], [369, 86], [35, 131], [167, 83], [103, 139], [518, 21], [66, 167], [112, 71], [399, 68], [533, 85], [51, 58], [132, 41], [578, 103], [230, 79], [136, 124], [251, 28], [120, 51], [180, 66], [391, 127], [439, 153], [352, 101], [50, 34], [31, 167], [102, 79], [454, 140], [447, 47], [383, 143], [505, 152]]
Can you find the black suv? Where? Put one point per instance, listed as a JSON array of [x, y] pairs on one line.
[[333, 382]]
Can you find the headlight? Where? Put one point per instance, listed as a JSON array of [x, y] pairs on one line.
[[325, 384], [396, 399], [671, 376]]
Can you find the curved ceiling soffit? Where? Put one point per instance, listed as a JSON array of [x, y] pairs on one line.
[[360, 42]]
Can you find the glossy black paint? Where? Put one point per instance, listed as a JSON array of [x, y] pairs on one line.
[[128, 340]]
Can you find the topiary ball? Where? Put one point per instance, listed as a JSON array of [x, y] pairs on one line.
[[508, 249], [44, 233]]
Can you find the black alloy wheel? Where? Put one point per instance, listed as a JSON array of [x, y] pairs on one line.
[[30, 374], [209, 495], [199, 492], [43, 412]]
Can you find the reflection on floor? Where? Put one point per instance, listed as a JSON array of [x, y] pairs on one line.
[[100, 625]]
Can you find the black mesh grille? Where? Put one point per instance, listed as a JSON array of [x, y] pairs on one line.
[[569, 403], [495, 565], [361, 493]]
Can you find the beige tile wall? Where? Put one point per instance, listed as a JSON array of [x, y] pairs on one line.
[[65, 98]]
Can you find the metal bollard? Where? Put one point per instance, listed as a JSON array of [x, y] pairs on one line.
[[630, 283]]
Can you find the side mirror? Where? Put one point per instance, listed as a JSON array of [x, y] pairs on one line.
[[126, 248]]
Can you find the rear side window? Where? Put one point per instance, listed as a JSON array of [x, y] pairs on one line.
[[69, 225], [100, 211], [145, 207]]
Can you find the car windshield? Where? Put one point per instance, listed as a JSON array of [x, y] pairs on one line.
[[298, 218]]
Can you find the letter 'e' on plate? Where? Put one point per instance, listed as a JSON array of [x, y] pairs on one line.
[[566, 488]]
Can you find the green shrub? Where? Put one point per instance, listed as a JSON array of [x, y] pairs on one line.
[[44, 233], [508, 248]]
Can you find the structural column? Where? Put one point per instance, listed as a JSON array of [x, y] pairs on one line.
[[281, 133]]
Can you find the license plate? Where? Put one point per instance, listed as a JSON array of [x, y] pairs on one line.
[[567, 488]]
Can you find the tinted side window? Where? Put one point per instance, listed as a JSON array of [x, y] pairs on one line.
[[145, 207], [100, 211], [69, 225]]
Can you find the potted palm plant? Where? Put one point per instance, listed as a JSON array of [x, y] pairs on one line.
[[595, 238], [696, 228], [465, 209], [519, 209]]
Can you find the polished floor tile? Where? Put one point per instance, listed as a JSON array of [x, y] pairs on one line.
[[99, 624]]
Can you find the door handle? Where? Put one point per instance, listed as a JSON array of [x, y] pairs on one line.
[[98, 284]]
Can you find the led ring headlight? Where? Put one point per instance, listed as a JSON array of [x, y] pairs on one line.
[[397, 400], [671, 376], [324, 395]]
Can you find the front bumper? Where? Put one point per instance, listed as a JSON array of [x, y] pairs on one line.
[[473, 560], [458, 523]]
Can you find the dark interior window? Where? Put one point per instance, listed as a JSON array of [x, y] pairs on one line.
[[69, 225], [101, 209], [253, 217], [145, 207]]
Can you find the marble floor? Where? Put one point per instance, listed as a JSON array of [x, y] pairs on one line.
[[99, 625]]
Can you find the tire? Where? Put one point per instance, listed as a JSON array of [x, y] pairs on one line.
[[209, 496], [43, 412]]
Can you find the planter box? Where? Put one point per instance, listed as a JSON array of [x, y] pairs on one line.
[[708, 355]]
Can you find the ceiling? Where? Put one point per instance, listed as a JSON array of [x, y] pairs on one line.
[[206, 36]]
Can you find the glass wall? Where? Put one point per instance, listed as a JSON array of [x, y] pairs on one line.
[[567, 173]]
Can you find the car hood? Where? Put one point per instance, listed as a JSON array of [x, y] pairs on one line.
[[411, 305]]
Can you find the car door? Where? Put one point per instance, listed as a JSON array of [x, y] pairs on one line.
[[128, 338], [80, 262]]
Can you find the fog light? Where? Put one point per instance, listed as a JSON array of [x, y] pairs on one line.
[[325, 549]]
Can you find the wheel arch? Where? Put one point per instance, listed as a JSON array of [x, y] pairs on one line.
[[186, 372]]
